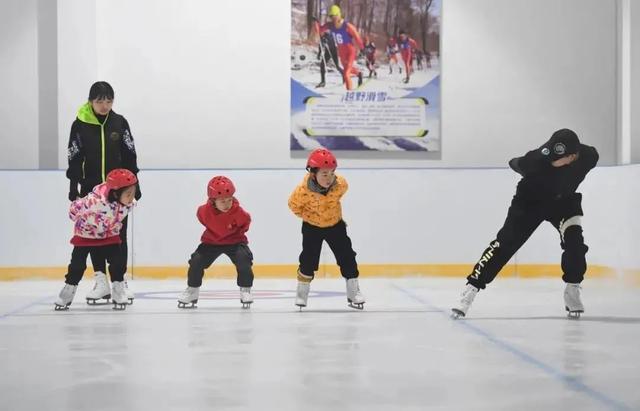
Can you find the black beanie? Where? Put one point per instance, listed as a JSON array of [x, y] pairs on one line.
[[562, 143]]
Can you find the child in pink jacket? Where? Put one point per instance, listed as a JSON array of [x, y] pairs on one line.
[[98, 221]]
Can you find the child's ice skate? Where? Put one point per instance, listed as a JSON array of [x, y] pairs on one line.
[[572, 300], [65, 298], [302, 294], [127, 291], [119, 297], [245, 297], [189, 297], [100, 291], [354, 296], [466, 299]]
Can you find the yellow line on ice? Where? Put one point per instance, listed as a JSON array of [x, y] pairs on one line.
[[331, 271]]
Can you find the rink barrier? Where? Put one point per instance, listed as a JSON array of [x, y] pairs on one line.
[[227, 271]]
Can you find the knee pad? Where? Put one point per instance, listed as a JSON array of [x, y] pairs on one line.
[[575, 221], [573, 240]]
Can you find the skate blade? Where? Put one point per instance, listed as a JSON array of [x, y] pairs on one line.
[[130, 302], [574, 315], [246, 305], [301, 306], [98, 301], [119, 306], [357, 306], [61, 307], [188, 306], [455, 314]]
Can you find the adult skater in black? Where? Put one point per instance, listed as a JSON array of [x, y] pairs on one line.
[[551, 175], [327, 52]]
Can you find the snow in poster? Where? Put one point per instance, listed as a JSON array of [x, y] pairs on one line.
[[365, 75]]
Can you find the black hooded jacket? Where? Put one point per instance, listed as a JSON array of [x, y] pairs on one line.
[[541, 182], [97, 146]]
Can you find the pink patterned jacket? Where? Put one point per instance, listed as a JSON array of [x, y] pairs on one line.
[[97, 221]]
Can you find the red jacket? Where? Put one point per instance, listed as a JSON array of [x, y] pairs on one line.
[[224, 228]]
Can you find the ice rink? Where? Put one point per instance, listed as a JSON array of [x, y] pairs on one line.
[[516, 350]]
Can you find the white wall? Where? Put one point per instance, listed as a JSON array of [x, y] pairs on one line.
[[206, 84], [635, 81], [426, 217], [514, 70], [19, 84], [77, 64]]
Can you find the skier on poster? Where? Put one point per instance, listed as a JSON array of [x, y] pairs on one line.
[[419, 57], [327, 52], [345, 35], [406, 45], [392, 55], [370, 56], [427, 57]]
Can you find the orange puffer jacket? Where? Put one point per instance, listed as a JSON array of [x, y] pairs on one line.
[[315, 208]]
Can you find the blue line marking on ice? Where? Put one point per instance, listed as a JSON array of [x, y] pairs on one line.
[[528, 358], [24, 307]]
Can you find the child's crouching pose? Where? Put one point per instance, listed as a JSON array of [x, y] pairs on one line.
[[98, 220], [226, 224], [317, 201]]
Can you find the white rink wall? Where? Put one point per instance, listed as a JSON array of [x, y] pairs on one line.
[[206, 82], [395, 216]]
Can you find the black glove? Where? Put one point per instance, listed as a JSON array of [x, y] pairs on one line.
[[138, 194], [73, 191], [514, 163]]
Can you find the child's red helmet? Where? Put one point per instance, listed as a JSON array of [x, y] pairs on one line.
[[220, 186], [120, 177], [322, 158]]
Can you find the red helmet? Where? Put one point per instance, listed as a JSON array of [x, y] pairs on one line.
[[322, 158], [120, 177], [220, 186]]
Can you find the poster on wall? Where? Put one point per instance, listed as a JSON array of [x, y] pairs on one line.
[[365, 75]]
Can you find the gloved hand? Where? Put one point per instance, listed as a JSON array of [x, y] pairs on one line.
[[73, 191], [138, 194]]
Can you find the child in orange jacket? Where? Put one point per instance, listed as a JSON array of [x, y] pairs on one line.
[[226, 224], [317, 201]]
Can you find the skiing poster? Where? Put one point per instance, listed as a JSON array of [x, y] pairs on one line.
[[365, 75]]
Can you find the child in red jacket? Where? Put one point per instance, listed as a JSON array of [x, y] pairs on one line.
[[226, 224]]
